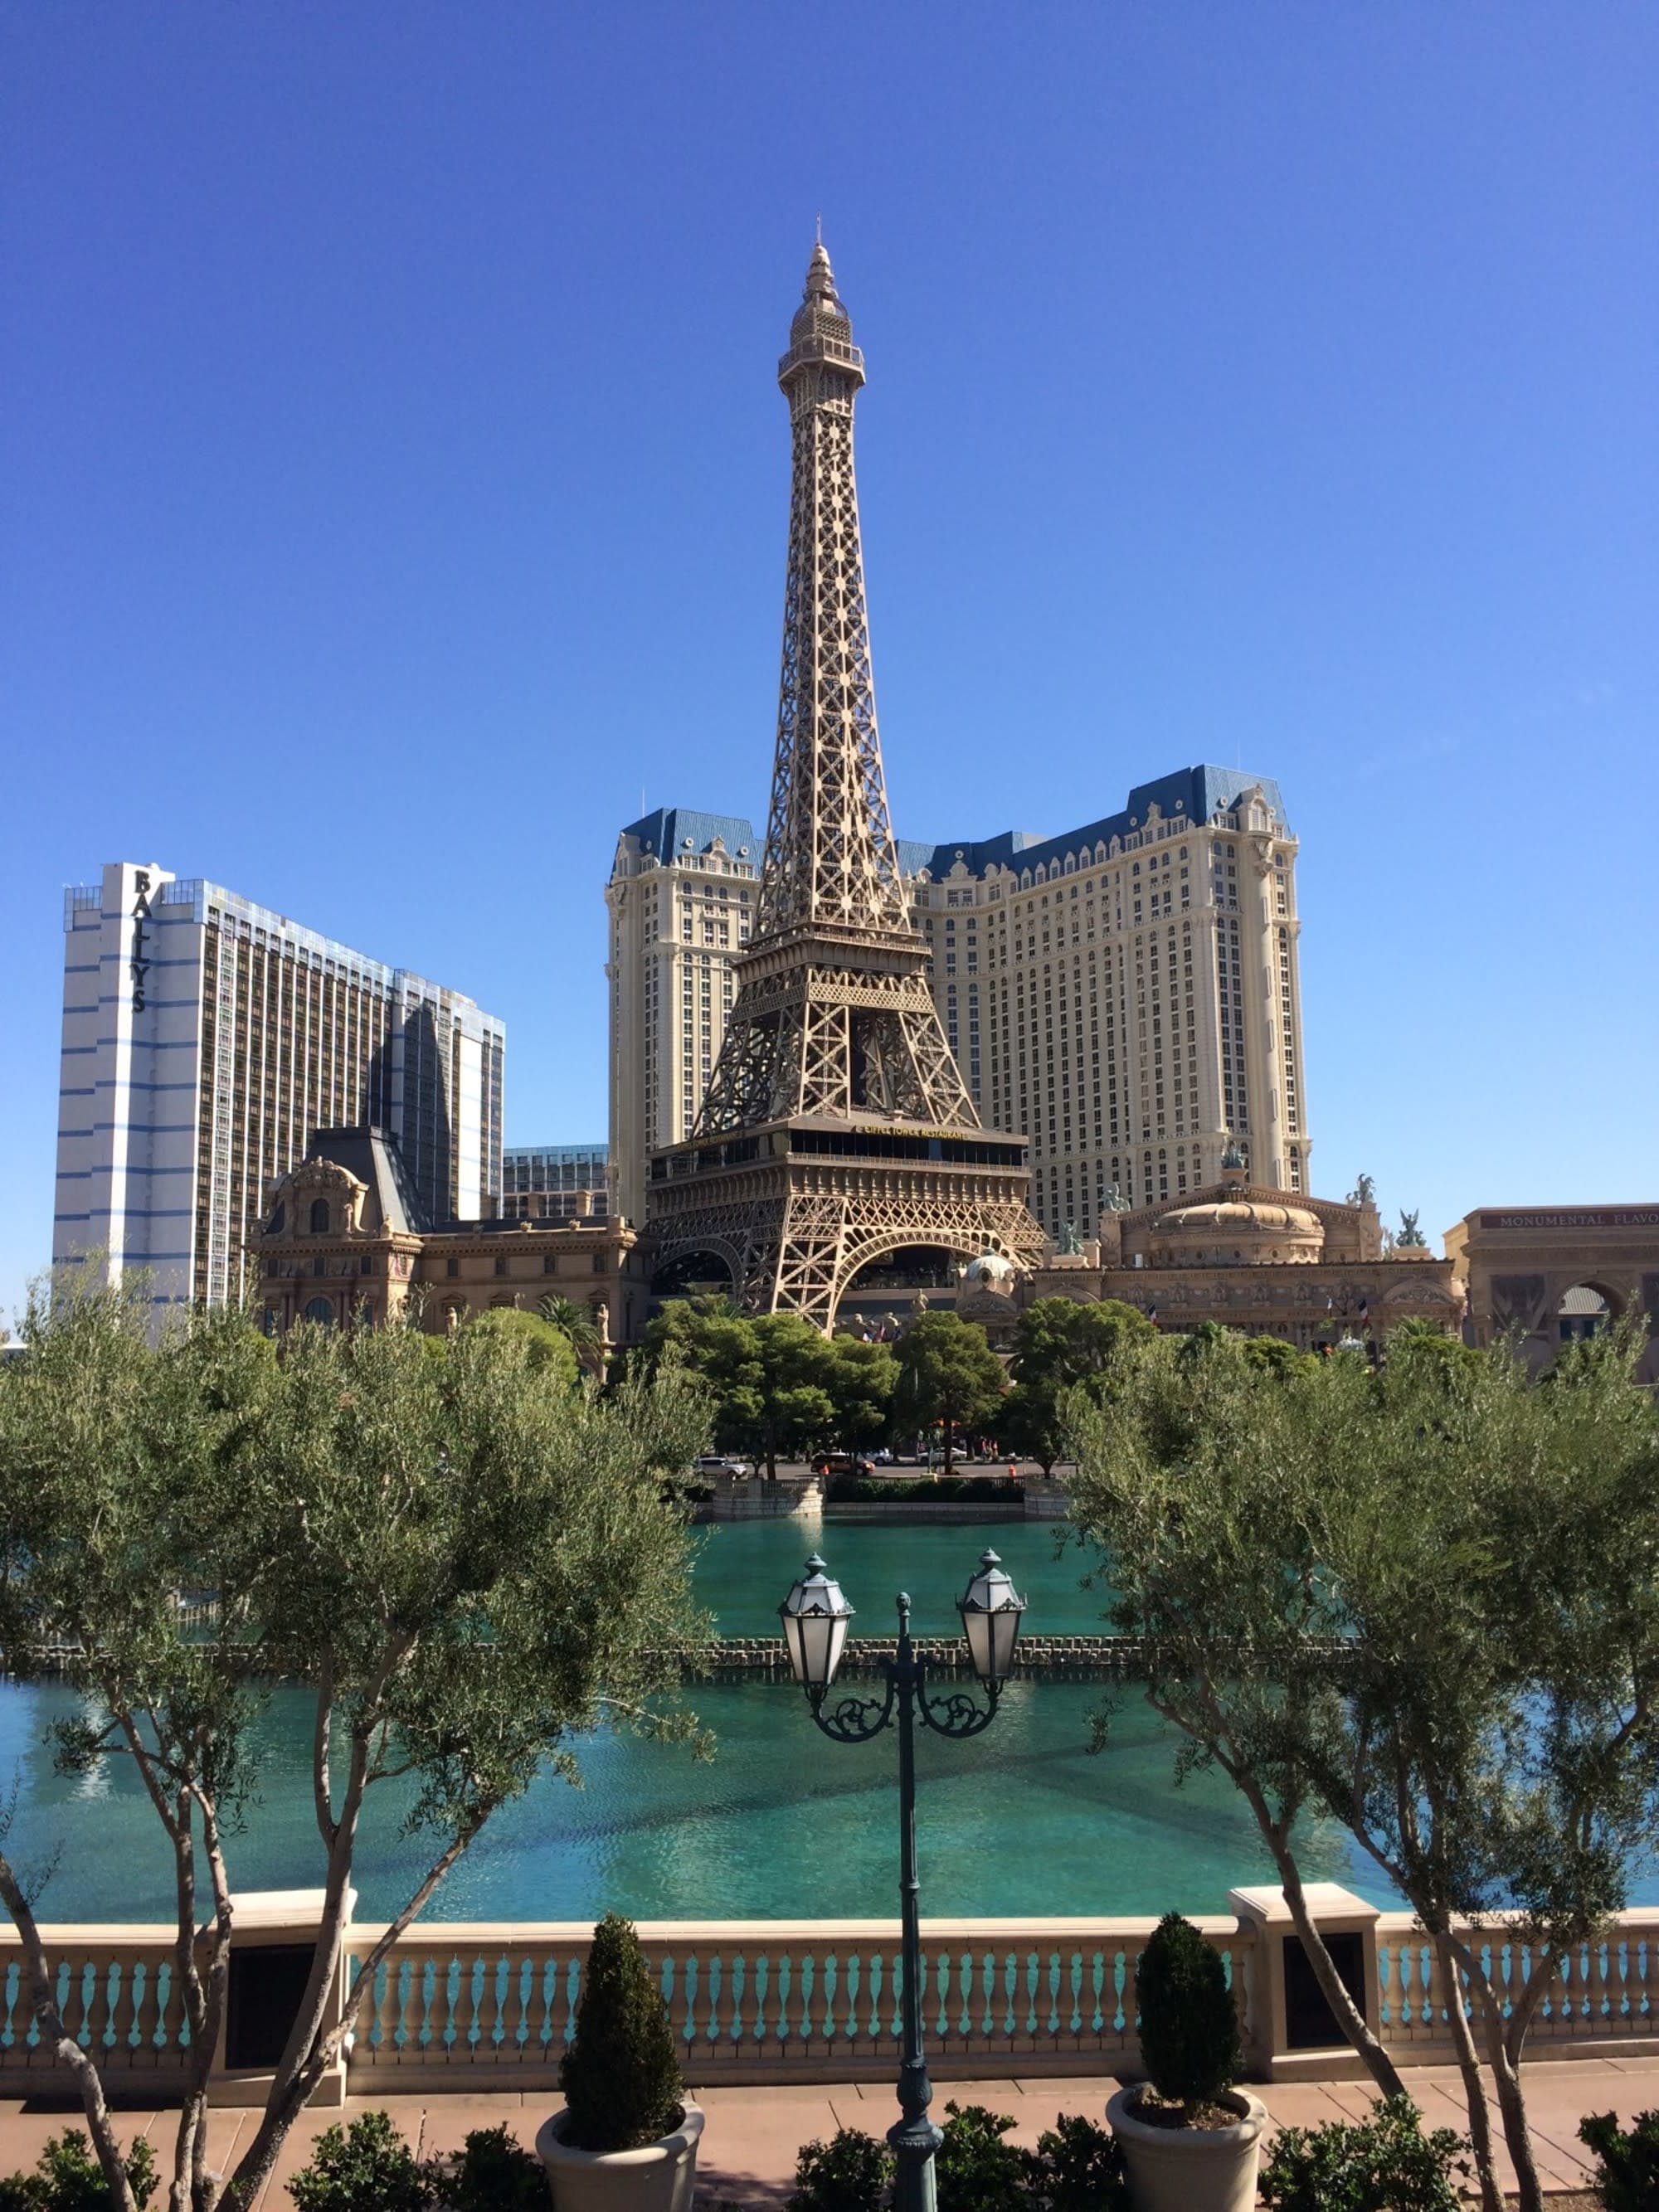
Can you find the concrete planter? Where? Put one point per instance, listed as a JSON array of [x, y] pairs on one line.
[[661, 2177], [1190, 2169]]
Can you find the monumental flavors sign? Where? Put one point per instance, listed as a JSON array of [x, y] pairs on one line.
[[1604, 1217]]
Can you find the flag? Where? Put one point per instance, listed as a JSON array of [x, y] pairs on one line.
[[1364, 1307]]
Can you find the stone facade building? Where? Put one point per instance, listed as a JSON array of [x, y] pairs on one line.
[[345, 1241], [1265, 1261], [1546, 1275]]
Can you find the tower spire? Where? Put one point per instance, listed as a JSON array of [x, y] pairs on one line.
[[829, 851]]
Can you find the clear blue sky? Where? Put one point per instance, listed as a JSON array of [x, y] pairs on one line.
[[394, 489]]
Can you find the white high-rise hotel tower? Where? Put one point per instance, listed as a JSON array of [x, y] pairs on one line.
[[205, 1038]]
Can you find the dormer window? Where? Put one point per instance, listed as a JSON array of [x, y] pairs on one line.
[[319, 1217]]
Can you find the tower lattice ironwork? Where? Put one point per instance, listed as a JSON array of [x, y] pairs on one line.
[[836, 1127]]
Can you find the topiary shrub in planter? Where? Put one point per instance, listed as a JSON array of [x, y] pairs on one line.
[[67, 2178], [1628, 2159], [626, 2140], [364, 2167], [1192, 2142], [851, 2173], [1189, 2041], [1384, 2164]]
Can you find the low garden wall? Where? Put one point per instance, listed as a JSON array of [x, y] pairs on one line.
[[487, 2006]]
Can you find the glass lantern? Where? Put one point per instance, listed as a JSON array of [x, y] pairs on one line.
[[991, 1609], [815, 1615]]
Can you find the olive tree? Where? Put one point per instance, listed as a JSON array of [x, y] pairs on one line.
[[463, 1564], [1420, 1601]]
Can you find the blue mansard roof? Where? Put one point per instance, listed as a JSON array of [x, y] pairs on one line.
[[1197, 793], [670, 832]]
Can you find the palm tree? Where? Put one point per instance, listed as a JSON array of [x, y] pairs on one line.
[[577, 1321]]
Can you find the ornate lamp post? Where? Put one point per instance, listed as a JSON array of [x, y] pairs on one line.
[[815, 1617]]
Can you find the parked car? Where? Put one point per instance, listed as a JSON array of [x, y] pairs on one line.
[[883, 1458], [719, 1463], [838, 1463]]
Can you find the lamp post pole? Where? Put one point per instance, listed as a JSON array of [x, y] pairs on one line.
[[815, 1618], [916, 2137]]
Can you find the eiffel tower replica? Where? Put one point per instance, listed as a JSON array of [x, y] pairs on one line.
[[837, 1129]]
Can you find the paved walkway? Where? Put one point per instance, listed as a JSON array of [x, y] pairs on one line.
[[753, 2134]]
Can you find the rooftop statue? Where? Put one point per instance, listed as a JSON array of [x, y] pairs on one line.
[[1071, 1245], [1411, 1237], [1364, 1192]]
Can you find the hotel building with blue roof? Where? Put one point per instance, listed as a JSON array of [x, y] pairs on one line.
[[1125, 995]]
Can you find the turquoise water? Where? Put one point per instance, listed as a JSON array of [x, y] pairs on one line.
[[781, 1823], [746, 1566]]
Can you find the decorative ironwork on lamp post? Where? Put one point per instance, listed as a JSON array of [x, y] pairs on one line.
[[816, 1617]]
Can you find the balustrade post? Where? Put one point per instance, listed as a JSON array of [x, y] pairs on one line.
[[1292, 2035], [273, 1941]]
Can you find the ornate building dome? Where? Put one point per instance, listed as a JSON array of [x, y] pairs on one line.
[[990, 1272], [1225, 1232]]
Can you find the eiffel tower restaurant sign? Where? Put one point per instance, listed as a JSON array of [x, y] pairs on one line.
[[836, 1131]]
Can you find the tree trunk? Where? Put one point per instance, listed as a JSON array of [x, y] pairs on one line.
[[1469, 2065], [947, 1446], [99, 2125], [1333, 1988], [1512, 2106], [295, 2081]]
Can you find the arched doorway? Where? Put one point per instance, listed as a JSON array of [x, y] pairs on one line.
[[1583, 1311]]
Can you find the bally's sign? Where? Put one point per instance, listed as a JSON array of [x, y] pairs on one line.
[[138, 960]]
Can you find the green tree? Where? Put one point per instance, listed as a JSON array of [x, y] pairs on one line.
[[1061, 1345], [463, 1567], [861, 1382], [1031, 1427], [1442, 1576], [947, 1372], [775, 1385], [794, 1407], [548, 1351], [1063, 1342]]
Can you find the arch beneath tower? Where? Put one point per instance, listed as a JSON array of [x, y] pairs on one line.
[[706, 1269], [881, 1275]]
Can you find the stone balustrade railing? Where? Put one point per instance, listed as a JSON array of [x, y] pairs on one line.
[[1088, 1657], [490, 2005], [769, 2000]]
